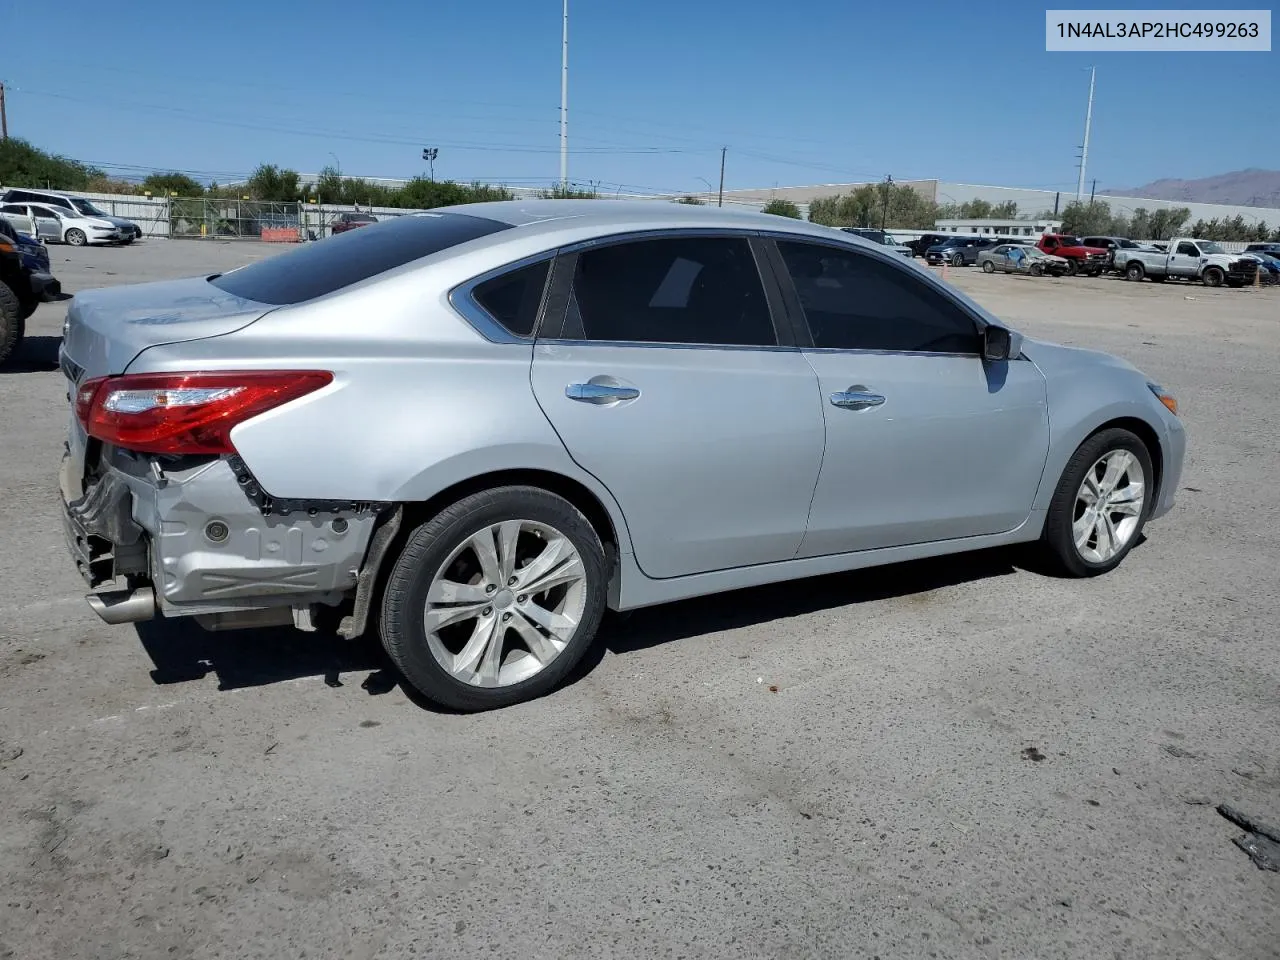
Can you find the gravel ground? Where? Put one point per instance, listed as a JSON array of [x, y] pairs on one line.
[[962, 759]]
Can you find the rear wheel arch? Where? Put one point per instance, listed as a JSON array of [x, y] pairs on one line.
[[574, 491]]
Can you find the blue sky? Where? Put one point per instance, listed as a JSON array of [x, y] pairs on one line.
[[808, 91]]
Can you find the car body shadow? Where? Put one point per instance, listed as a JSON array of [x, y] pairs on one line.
[[34, 355], [182, 651]]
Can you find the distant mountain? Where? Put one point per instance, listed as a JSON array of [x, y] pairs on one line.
[[1246, 188]]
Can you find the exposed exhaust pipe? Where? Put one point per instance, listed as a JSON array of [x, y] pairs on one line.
[[124, 606]]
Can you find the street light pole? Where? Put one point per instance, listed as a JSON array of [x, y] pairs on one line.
[[884, 213], [429, 154], [564, 99], [720, 202]]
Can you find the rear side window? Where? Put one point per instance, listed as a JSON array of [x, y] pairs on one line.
[[327, 265], [696, 290], [513, 298], [856, 302]]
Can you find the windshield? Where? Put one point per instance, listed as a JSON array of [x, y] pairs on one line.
[[87, 208], [1208, 246], [1127, 244]]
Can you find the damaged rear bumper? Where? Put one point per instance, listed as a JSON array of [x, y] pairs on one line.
[[188, 536]]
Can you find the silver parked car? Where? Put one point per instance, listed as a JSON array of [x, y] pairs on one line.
[[1022, 258], [477, 428]]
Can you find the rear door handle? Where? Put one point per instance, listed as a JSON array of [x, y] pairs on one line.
[[599, 393], [856, 397]]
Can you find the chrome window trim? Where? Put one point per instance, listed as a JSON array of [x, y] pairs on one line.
[[665, 345], [462, 299]]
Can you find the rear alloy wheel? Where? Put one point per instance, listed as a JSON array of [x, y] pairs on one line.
[[494, 600], [1100, 505], [988, 266], [76, 237], [1134, 271], [957, 260], [1213, 276]]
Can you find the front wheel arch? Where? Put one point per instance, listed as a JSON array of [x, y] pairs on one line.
[[1150, 438]]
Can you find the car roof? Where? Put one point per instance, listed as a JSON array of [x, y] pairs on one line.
[[551, 222]]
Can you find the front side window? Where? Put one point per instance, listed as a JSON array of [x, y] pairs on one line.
[[44, 212], [513, 298], [855, 302], [694, 290], [1188, 250]]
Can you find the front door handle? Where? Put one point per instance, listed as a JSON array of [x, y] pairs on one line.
[[599, 393], [856, 397]]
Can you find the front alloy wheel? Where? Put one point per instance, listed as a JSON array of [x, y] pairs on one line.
[[1100, 504], [495, 599], [1108, 506]]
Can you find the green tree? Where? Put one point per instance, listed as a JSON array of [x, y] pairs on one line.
[[1140, 225], [269, 182], [976, 210], [691, 201], [1005, 211], [23, 165], [1083, 218], [782, 208], [164, 184], [1167, 221]]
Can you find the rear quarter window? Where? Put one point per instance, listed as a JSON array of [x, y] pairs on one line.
[[324, 266]]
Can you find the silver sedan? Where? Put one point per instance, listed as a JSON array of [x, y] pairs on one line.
[[474, 430]]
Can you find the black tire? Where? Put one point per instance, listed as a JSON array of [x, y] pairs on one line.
[[957, 260], [1212, 277], [11, 325], [76, 238], [1035, 270], [1072, 268], [1057, 540], [429, 546], [1134, 271], [988, 266]]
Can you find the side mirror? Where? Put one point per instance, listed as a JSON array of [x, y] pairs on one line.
[[997, 344]]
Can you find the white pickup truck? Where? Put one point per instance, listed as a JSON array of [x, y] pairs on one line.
[[1187, 259]]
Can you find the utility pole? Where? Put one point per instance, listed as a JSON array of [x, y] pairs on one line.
[[720, 202], [1084, 148], [1093, 190], [564, 100], [888, 188], [4, 117], [429, 154]]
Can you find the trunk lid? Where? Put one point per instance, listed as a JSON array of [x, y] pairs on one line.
[[106, 329]]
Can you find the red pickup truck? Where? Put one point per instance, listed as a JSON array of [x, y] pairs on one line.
[[1090, 261]]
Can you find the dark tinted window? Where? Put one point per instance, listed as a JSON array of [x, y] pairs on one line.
[[1188, 250], [513, 298], [328, 265], [43, 212], [688, 290], [855, 302]]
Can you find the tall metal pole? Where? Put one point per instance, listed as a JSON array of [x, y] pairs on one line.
[[564, 100], [1084, 149], [720, 202], [4, 116]]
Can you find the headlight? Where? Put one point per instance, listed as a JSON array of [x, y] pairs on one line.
[[1165, 397]]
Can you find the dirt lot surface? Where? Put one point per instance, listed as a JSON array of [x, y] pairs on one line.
[[963, 759]]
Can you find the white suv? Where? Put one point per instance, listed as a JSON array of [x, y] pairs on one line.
[[60, 225], [129, 231]]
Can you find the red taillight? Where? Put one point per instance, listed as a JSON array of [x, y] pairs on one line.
[[185, 412]]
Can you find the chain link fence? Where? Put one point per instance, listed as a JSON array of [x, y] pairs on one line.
[[215, 219]]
